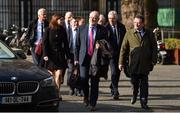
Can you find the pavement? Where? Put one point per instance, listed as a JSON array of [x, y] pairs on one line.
[[164, 94]]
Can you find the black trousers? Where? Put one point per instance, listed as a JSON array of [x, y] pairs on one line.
[[140, 82], [90, 91], [70, 67], [115, 76]]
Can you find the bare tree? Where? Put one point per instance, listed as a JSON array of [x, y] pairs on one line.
[[130, 8], [150, 13]]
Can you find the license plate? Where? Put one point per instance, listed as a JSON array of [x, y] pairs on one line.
[[16, 100]]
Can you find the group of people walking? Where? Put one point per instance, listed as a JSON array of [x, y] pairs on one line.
[[93, 47]]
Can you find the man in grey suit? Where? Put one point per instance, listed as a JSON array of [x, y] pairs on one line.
[[87, 35]]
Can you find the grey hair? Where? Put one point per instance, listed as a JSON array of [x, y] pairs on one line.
[[41, 10], [96, 12], [68, 13], [114, 13], [102, 16]]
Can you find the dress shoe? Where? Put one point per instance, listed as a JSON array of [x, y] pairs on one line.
[[112, 92], [133, 100], [116, 97], [144, 106], [86, 101], [92, 108], [144, 103]]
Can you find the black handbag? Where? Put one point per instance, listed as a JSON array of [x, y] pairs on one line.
[[74, 80]]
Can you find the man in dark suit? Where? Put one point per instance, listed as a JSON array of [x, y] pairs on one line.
[[68, 18], [67, 25], [87, 35], [72, 41], [35, 33], [116, 32]]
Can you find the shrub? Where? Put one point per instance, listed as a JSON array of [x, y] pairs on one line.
[[172, 43]]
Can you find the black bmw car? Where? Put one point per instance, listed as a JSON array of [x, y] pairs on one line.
[[24, 85]]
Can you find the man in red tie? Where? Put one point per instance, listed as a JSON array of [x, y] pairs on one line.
[[35, 34], [91, 40], [87, 35]]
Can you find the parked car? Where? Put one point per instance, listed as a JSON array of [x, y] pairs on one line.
[[24, 85]]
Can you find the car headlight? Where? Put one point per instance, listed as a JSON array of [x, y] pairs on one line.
[[48, 82]]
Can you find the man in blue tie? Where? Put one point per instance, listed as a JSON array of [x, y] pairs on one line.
[[72, 41], [87, 35], [116, 32]]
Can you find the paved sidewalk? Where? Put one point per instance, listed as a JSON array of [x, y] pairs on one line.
[[164, 94]]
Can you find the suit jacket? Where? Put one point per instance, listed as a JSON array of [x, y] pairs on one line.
[[70, 40], [31, 32], [82, 41], [121, 30]]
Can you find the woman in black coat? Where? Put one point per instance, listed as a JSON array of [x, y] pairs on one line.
[[56, 49]]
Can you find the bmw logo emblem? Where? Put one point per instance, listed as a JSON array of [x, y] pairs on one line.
[[14, 78]]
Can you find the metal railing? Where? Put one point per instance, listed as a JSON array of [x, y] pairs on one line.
[[21, 12]]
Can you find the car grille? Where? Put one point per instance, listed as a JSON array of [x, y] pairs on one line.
[[7, 88], [26, 87]]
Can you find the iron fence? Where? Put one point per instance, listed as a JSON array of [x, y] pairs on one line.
[[21, 12]]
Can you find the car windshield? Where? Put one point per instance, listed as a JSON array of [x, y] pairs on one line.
[[5, 53]]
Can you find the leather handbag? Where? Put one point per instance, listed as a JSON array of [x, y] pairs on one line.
[[38, 48], [74, 80]]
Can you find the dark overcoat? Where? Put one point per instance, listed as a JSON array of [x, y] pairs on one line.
[[32, 31], [55, 46], [142, 51], [121, 30]]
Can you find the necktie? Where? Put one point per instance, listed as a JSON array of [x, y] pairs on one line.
[[114, 35], [90, 49], [42, 29], [69, 31], [139, 35]]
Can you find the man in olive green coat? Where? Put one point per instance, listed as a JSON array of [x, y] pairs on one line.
[[141, 47]]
